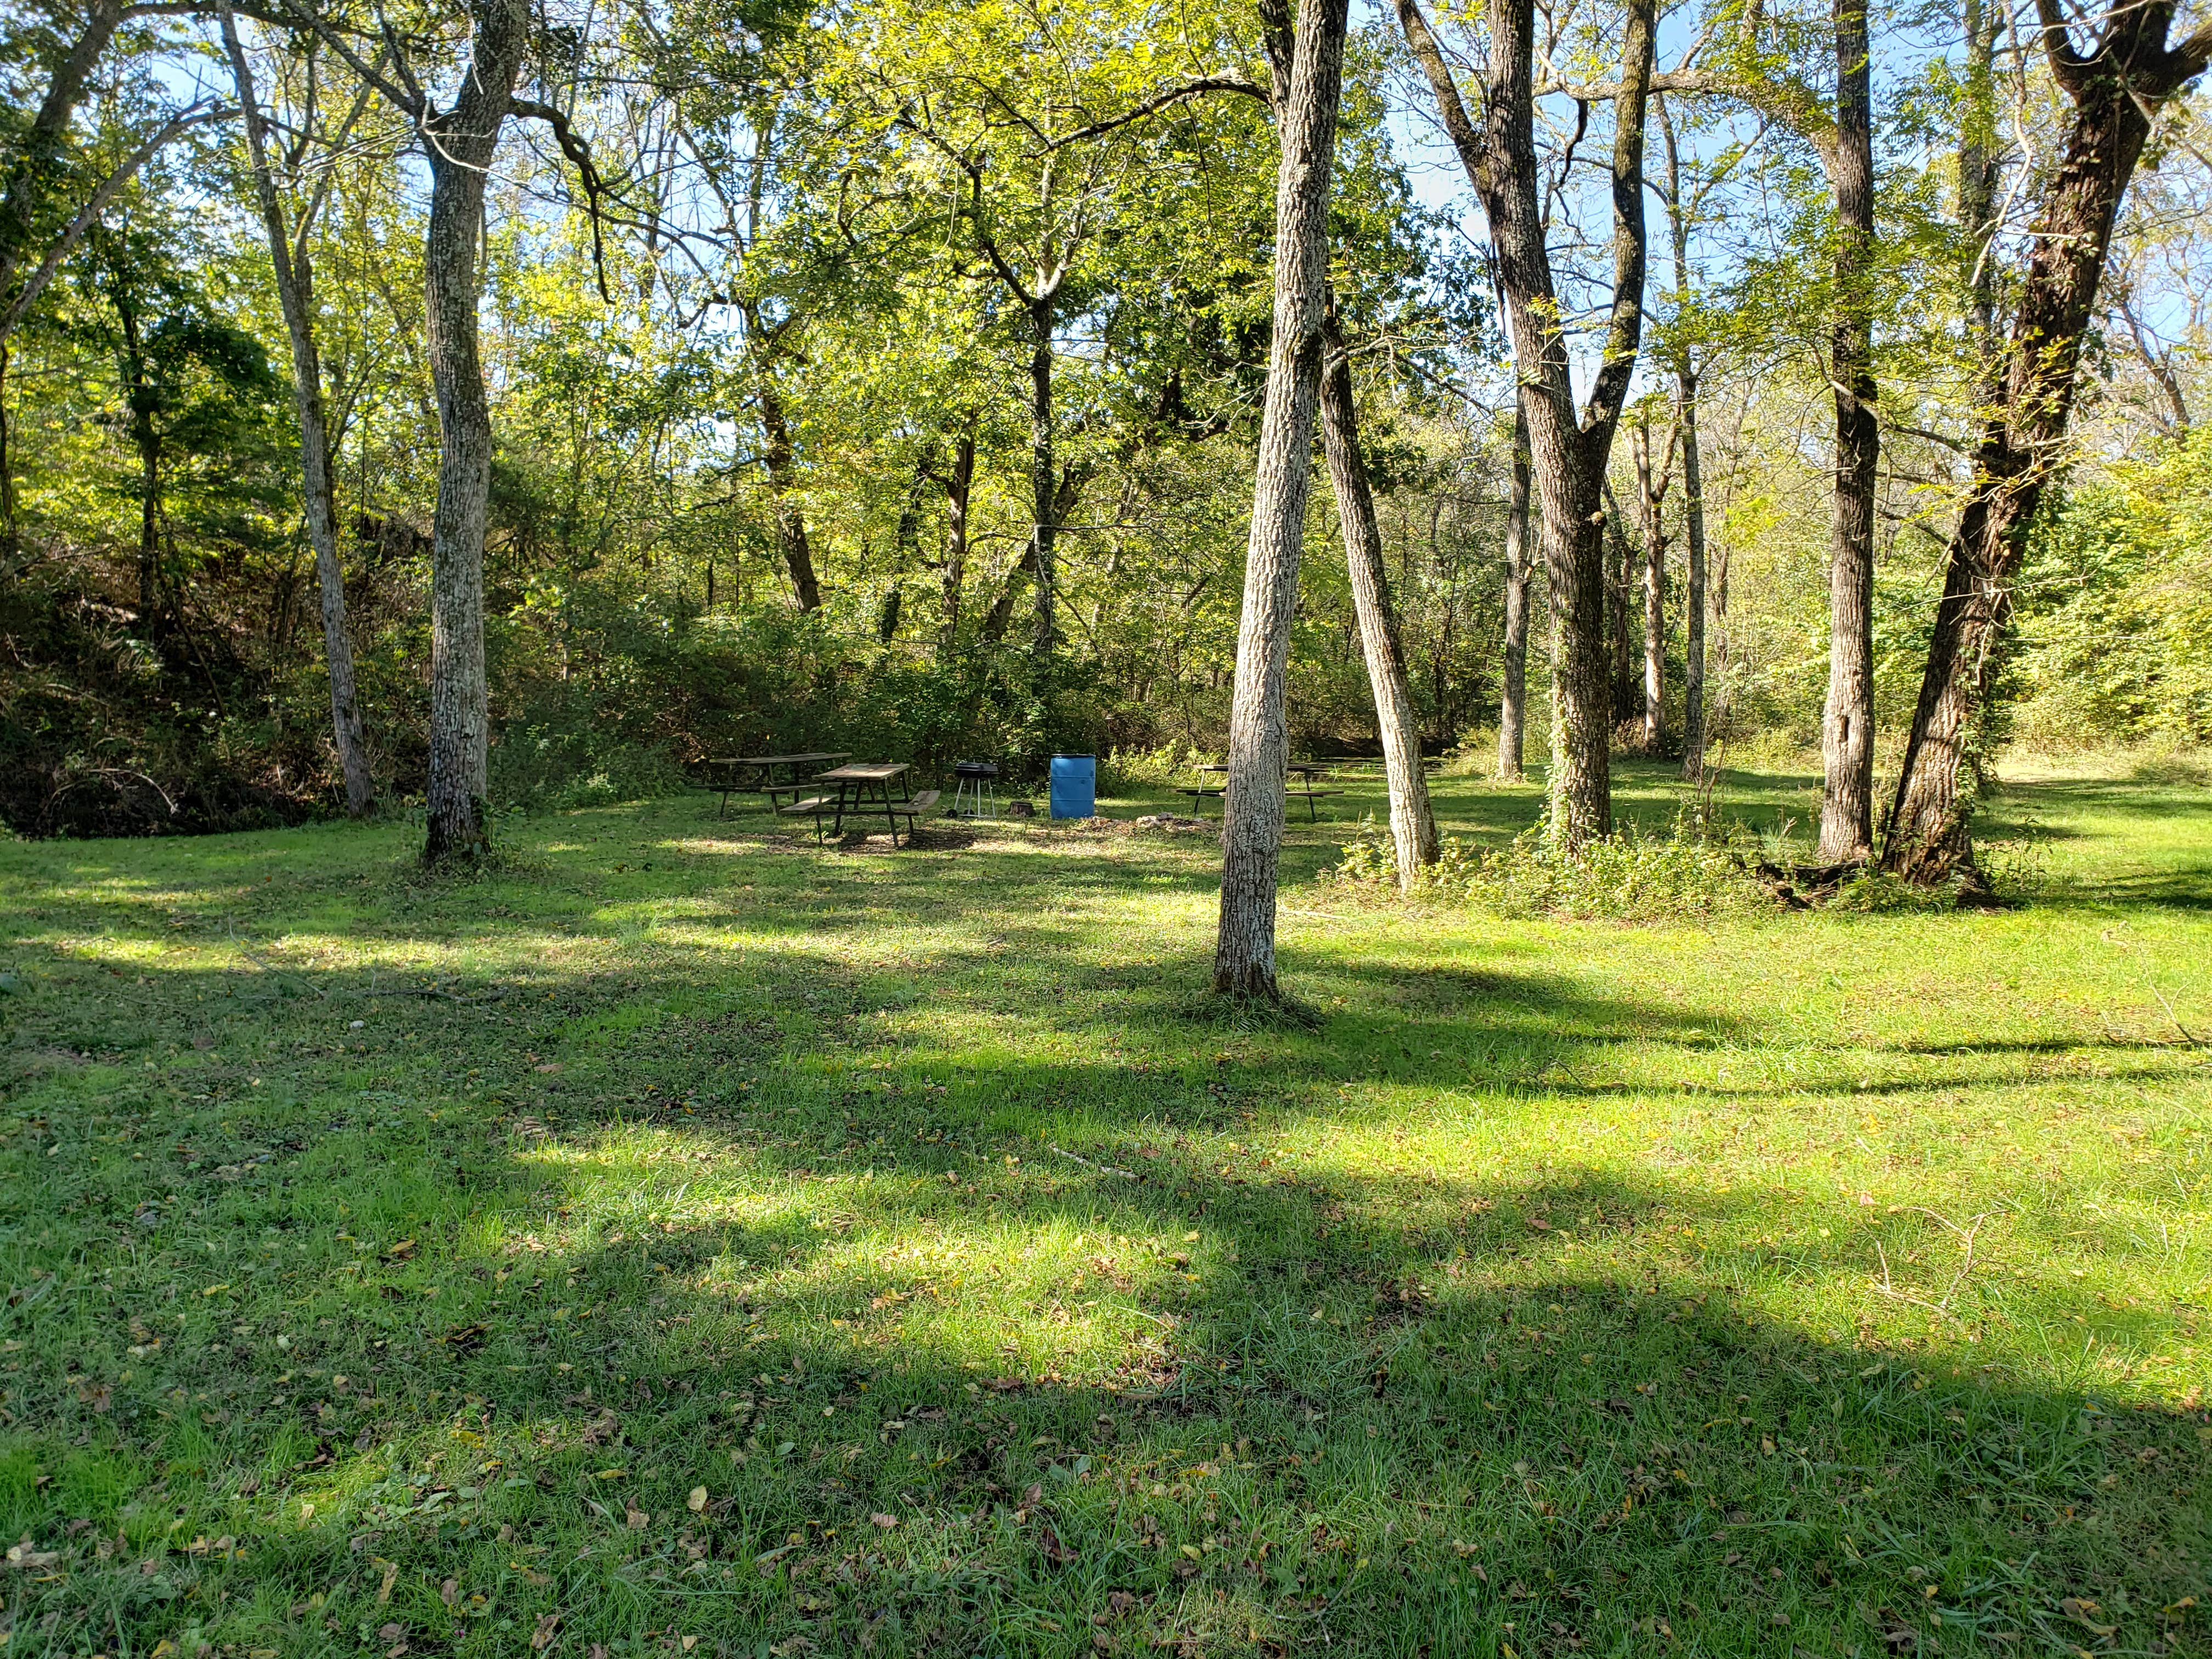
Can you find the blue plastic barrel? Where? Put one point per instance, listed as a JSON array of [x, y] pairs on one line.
[[1074, 786]]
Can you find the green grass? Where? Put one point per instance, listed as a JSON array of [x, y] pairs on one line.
[[1556, 1286]]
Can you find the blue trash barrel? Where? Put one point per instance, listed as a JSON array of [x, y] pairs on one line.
[[1074, 786]]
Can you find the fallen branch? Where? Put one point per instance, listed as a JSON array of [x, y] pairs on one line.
[[1103, 1168], [1965, 1236]]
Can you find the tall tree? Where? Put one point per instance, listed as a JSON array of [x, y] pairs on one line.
[[459, 142], [1847, 721], [1683, 351], [1569, 449], [1258, 736], [1413, 821], [1513, 695], [2115, 90], [291, 262], [1654, 476]]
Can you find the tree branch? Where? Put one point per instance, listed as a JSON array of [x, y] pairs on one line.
[[35, 284]]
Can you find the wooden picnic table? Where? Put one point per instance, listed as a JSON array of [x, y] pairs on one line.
[[1308, 770], [727, 782], [861, 787]]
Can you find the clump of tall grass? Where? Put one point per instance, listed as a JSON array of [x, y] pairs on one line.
[[1631, 875]]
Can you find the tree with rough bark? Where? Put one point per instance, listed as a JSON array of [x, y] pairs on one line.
[[1569, 446], [2114, 89], [291, 263], [1414, 833], [1847, 720], [1259, 737], [1513, 669], [458, 142]]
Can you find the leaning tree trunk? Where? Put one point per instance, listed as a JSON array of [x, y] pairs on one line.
[[1413, 823], [2116, 91], [463, 141], [1259, 741], [294, 276], [1513, 701], [1847, 720]]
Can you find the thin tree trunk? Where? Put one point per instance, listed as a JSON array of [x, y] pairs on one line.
[[1259, 740], [1651, 485], [957, 487], [294, 276], [1513, 702], [146, 439], [785, 508], [1693, 601], [1620, 634], [1413, 823], [1847, 721], [1043, 477], [2116, 91], [1693, 477], [463, 141]]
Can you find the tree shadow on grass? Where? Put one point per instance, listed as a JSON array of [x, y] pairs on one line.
[[1328, 1420]]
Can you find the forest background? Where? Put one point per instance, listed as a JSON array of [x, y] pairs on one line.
[[886, 376]]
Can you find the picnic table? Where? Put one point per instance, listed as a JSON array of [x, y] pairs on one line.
[[725, 775], [1310, 770], [860, 789]]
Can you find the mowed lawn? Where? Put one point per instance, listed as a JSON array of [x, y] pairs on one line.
[[688, 1241]]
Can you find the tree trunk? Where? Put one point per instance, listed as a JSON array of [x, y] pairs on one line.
[[1259, 741], [788, 512], [1652, 493], [1694, 477], [1693, 601], [463, 143], [2116, 91], [1413, 823], [146, 439], [294, 276], [1847, 721], [1043, 487], [1513, 703], [957, 486], [1620, 632]]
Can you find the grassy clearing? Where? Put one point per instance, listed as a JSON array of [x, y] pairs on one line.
[[681, 1243]]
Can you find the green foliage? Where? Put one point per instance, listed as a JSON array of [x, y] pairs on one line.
[[2115, 607]]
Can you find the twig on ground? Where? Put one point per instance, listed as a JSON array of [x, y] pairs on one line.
[[1966, 1236], [1103, 1168]]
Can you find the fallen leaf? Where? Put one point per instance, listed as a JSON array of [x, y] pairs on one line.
[[637, 1517], [886, 1521], [549, 1627], [697, 1501], [450, 1591]]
